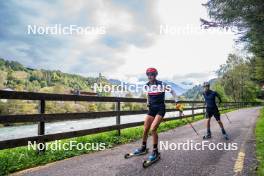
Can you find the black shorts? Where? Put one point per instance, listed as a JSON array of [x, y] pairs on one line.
[[213, 112], [157, 110]]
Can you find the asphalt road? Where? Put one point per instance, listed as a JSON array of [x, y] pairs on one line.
[[241, 161]]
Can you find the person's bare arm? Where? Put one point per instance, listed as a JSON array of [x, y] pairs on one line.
[[175, 97], [173, 93]]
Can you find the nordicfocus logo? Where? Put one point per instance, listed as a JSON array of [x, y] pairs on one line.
[[204, 145], [59, 29], [125, 87], [72, 145], [190, 29]]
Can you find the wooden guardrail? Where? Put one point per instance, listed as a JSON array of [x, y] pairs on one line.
[[41, 118]]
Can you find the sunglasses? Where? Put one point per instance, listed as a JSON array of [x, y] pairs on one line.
[[151, 74]]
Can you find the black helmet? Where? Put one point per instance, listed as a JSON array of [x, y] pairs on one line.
[[206, 84]]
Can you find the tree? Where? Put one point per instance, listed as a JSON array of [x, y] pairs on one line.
[[33, 86], [36, 75], [2, 64], [58, 88], [55, 77], [235, 77], [259, 66], [16, 66], [128, 106], [218, 87], [3, 76], [247, 17]]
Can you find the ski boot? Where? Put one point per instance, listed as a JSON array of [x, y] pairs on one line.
[[137, 152], [207, 136], [154, 157]]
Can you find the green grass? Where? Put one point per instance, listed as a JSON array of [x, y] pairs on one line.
[[260, 143], [19, 158]]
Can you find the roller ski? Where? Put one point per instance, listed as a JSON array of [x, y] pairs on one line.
[[136, 152], [207, 136], [154, 157]]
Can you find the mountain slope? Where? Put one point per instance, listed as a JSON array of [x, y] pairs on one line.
[[195, 93], [17, 77], [178, 89]]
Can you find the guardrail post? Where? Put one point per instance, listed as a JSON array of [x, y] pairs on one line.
[[41, 125], [192, 111], [118, 116]]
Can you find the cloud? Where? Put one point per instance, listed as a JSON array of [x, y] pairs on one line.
[[195, 78], [131, 44], [128, 23]]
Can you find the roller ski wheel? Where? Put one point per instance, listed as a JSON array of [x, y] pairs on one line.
[[208, 136], [226, 137], [137, 152], [151, 160]]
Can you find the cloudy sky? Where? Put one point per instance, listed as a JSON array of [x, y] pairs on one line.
[[165, 34]]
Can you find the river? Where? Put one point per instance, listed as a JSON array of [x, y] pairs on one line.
[[14, 132]]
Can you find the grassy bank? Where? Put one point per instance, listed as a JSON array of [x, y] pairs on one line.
[[19, 158], [260, 143]]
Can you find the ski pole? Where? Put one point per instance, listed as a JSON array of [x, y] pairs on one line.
[[192, 127], [180, 108], [227, 118]]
